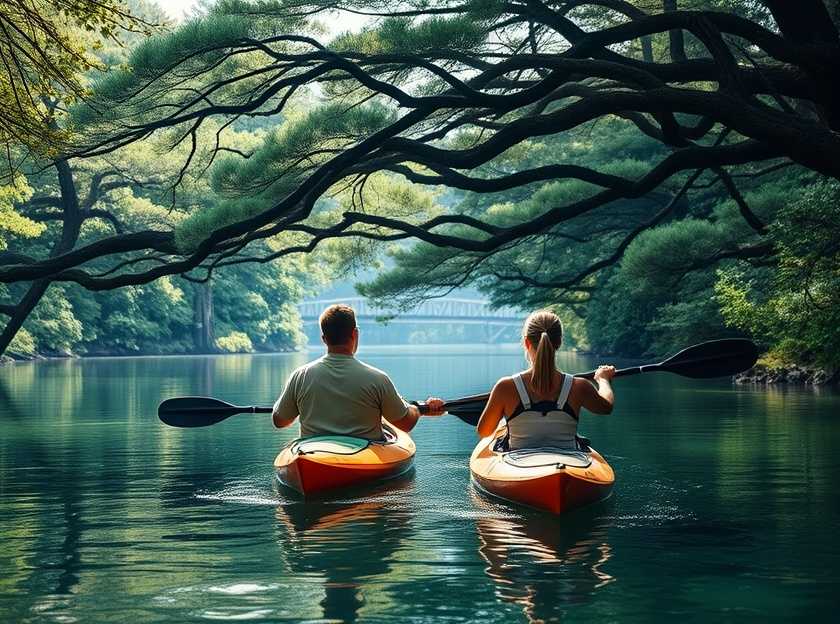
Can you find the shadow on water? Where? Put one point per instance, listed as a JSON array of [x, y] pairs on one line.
[[544, 563], [346, 543]]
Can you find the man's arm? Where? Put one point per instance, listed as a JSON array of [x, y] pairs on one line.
[[286, 409], [394, 408]]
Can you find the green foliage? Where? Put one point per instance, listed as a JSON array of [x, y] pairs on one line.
[[135, 318], [52, 325], [616, 320], [23, 344], [253, 310], [11, 221], [327, 127], [168, 69], [235, 342], [610, 146], [797, 309], [404, 35], [278, 165], [661, 296], [46, 47], [204, 40], [259, 301]]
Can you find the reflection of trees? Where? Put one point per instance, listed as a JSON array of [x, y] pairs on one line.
[[63, 535], [346, 543], [543, 563]]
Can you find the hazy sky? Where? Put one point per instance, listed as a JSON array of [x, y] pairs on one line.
[[176, 8], [335, 22]]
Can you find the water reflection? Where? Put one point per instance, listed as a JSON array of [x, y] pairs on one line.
[[544, 563], [345, 544], [726, 506]]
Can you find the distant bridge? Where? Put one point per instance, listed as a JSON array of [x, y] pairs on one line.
[[494, 323], [445, 310]]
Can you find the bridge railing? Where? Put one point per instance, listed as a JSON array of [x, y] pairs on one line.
[[432, 308]]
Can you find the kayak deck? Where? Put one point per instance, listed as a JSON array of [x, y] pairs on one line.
[[319, 464], [552, 480]]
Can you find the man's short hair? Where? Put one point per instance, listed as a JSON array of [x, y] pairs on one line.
[[337, 324]]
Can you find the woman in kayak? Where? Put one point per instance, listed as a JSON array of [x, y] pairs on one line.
[[541, 405]]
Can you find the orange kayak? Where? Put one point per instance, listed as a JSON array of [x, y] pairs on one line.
[[552, 480], [322, 463]]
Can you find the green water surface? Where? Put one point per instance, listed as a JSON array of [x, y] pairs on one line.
[[726, 505]]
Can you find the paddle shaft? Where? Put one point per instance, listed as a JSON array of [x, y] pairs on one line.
[[709, 359], [233, 409], [714, 358], [621, 372], [625, 372]]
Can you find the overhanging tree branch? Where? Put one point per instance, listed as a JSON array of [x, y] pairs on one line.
[[551, 78]]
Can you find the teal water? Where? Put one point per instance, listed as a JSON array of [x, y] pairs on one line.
[[725, 506]]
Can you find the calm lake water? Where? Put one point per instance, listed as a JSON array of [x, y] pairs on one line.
[[726, 505]]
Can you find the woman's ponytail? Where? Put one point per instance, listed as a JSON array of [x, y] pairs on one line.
[[543, 365], [543, 329]]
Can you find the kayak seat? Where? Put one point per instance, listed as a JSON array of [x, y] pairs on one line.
[[336, 444], [533, 458], [340, 444], [502, 445]]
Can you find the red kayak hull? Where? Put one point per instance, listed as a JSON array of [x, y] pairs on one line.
[[555, 489], [318, 472]]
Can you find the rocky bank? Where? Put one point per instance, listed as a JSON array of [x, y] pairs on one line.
[[765, 374]]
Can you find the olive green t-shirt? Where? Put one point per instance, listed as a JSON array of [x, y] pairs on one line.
[[338, 394]]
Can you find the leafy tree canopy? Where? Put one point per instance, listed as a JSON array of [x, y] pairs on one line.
[[45, 47], [541, 150]]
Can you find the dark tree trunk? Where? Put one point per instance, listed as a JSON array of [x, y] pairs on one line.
[[809, 22], [203, 337], [833, 7], [804, 21], [647, 49], [71, 225], [676, 37]]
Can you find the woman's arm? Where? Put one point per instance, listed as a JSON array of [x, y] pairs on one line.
[[599, 400], [494, 411]]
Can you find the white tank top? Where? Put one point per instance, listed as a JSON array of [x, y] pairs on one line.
[[543, 424]]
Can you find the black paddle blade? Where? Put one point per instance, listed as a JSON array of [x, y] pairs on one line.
[[195, 411], [469, 408], [715, 358]]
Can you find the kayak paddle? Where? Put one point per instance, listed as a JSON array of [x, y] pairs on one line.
[[206, 411], [715, 358], [202, 411]]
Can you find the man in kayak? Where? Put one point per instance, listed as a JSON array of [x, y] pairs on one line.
[[340, 395]]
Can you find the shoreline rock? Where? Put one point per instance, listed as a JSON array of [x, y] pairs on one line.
[[793, 374]]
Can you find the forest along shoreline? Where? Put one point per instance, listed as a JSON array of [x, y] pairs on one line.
[[763, 373]]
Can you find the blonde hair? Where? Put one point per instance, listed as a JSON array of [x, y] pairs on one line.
[[543, 329]]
